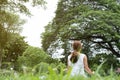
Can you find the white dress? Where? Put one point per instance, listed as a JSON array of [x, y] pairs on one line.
[[78, 67]]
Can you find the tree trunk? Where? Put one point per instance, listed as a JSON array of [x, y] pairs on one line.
[[0, 57]]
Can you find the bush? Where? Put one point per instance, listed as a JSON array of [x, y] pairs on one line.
[[31, 57]]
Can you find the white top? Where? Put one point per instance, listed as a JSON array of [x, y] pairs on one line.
[[78, 67]]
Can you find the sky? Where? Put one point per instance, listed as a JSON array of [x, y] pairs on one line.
[[34, 25]]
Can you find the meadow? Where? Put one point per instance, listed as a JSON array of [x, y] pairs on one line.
[[54, 75]]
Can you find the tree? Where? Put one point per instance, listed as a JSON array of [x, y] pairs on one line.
[[48, 36], [13, 49], [92, 21], [10, 21], [103, 29], [19, 5], [9, 25]]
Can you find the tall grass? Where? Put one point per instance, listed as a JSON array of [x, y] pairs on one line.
[[54, 75]]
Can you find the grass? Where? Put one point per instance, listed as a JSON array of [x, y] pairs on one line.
[[53, 75], [57, 77]]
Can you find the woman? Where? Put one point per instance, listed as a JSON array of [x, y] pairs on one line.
[[78, 61]]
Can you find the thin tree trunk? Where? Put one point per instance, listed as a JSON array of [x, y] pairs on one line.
[[0, 58]]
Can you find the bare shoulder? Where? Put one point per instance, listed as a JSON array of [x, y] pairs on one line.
[[69, 55], [85, 57]]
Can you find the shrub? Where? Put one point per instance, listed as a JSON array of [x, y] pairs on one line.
[[31, 57]]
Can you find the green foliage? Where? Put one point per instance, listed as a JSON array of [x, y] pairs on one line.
[[50, 60], [60, 66], [19, 5], [95, 23], [12, 46], [32, 56], [13, 49], [9, 33], [41, 68], [35, 58], [52, 75], [9, 23], [109, 61], [48, 37]]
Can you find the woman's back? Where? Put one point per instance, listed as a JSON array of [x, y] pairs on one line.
[[78, 61], [78, 67]]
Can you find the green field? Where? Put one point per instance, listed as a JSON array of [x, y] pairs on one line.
[[53, 75]]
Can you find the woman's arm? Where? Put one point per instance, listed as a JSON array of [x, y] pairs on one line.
[[87, 69], [68, 64]]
